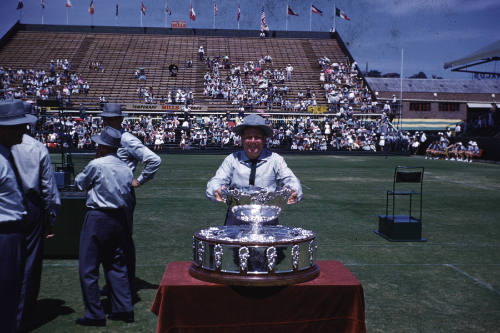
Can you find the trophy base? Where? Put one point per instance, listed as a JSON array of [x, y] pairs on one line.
[[257, 280]]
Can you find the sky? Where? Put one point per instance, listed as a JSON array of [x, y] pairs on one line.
[[382, 35]]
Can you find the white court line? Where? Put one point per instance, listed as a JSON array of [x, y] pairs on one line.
[[307, 187], [475, 279]]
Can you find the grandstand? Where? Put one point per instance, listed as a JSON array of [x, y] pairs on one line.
[[121, 51]]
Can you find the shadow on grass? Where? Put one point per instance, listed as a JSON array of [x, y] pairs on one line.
[[143, 284], [48, 309]]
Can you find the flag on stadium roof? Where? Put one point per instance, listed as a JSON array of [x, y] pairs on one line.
[[42, 3], [91, 7], [263, 25], [68, 3], [169, 12], [216, 11], [291, 12], [20, 4], [315, 10], [192, 14], [116, 12], [143, 8], [239, 13], [341, 14]]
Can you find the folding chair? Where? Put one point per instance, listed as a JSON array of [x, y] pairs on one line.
[[403, 224]]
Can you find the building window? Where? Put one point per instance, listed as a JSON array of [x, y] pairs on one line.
[[420, 106], [449, 107]]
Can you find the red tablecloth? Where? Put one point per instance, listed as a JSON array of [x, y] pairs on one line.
[[333, 302]]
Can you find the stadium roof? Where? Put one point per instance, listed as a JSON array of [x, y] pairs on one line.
[[485, 54], [435, 85]]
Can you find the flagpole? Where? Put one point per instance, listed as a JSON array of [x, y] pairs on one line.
[[43, 9], [213, 9], [166, 6], [286, 17], [67, 15], [401, 91], [334, 16], [310, 17]]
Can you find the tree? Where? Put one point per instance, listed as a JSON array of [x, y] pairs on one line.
[[391, 75], [373, 73], [419, 75]]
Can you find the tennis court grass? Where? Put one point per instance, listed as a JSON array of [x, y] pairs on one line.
[[451, 283]]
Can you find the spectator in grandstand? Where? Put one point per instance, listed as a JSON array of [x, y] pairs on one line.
[[104, 237], [289, 70], [201, 53], [132, 152], [253, 166]]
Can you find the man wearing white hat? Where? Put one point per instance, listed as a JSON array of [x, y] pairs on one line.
[[253, 166], [105, 233], [13, 121]]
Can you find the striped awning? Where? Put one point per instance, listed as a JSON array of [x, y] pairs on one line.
[[425, 124]]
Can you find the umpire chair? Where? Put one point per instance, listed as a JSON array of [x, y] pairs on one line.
[[403, 209]]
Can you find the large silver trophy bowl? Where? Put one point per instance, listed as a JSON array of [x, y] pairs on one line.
[[255, 253]]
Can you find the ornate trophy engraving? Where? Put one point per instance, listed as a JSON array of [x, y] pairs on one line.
[[247, 254]]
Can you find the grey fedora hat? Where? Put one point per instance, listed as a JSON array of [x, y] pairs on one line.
[[112, 110], [12, 113], [253, 120], [108, 137]]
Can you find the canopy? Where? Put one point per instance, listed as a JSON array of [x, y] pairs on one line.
[[426, 124]]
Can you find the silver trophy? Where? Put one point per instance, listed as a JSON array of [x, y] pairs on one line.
[[254, 253]]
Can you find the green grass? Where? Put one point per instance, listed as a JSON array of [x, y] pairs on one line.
[[451, 283]]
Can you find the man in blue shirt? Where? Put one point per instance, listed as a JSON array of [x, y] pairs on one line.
[[13, 123], [132, 151], [42, 200], [105, 233]]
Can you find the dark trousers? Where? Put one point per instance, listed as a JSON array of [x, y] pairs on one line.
[[33, 245], [11, 273], [103, 240]]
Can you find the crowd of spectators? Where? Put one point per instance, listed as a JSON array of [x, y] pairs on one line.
[[59, 82], [255, 84], [199, 132], [343, 86]]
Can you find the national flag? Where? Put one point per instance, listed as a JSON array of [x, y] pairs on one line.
[[216, 11], [315, 10], [263, 25], [68, 3], [91, 8], [239, 13], [291, 12], [341, 14], [20, 4], [169, 12], [192, 14], [143, 8], [116, 12], [42, 3]]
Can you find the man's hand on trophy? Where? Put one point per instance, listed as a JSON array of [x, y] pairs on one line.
[[293, 198], [218, 194]]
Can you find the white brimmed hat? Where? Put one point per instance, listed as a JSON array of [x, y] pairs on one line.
[[109, 137], [112, 110], [12, 113], [253, 120]]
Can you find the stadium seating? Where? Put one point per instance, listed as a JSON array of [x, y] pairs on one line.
[[122, 54]]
